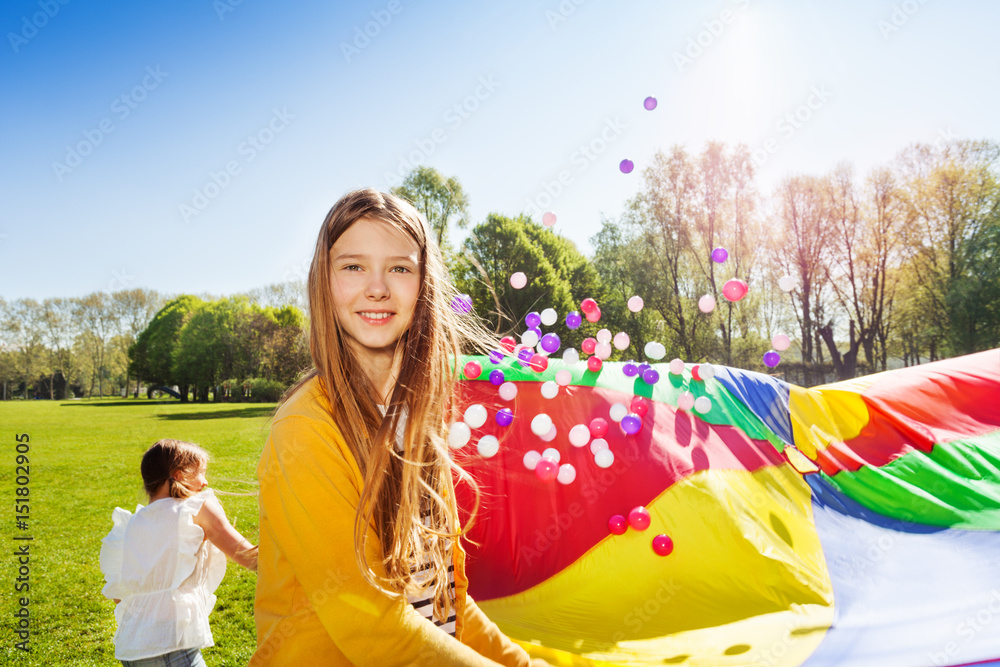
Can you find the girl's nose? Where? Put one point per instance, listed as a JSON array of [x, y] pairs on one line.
[[377, 288]]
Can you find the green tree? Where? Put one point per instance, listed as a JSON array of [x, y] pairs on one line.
[[442, 200], [152, 354]]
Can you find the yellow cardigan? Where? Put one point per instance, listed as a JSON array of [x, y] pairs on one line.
[[313, 606]]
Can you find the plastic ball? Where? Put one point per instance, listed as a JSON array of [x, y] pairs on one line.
[[597, 444], [655, 350], [603, 336], [563, 377], [508, 343], [706, 304], [462, 304], [707, 371], [566, 474], [631, 424], [529, 338], [594, 315], [630, 369], [531, 459], [518, 280], [617, 525], [571, 356], [735, 289], [594, 364], [771, 359], [488, 446], [551, 453], [541, 424], [676, 367], [602, 351], [786, 283], [573, 320], [635, 303], [504, 417], [604, 458], [720, 255], [472, 370], [532, 320], [546, 469], [639, 518], [549, 316], [639, 405], [550, 342], [663, 545], [598, 427], [650, 376], [780, 342], [507, 391], [621, 341], [579, 435], [617, 412], [549, 389], [524, 355], [551, 435], [702, 404], [626, 166], [685, 401], [496, 377], [475, 416], [458, 435], [587, 305], [548, 218], [696, 371], [496, 356], [642, 368], [649, 103], [539, 362], [588, 345]]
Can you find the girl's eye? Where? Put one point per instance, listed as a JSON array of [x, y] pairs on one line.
[[401, 269], [352, 267]]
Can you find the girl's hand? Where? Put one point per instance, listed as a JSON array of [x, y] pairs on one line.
[[212, 519]]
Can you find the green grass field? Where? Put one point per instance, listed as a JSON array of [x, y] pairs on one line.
[[84, 461]]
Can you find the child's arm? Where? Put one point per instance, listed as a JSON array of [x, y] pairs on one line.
[[212, 519]]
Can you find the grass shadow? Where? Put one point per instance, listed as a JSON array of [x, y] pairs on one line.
[[119, 403], [246, 413]]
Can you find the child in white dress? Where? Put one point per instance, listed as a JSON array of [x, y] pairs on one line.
[[163, 564]]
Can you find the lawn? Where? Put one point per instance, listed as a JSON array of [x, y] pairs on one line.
[[84, 461]]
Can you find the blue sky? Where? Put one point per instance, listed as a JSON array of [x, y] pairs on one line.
[[196, 148]]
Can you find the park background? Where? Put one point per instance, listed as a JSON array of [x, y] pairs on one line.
[[167, 169]]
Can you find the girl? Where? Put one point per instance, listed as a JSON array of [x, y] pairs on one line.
[[163, 563], [360, 555]]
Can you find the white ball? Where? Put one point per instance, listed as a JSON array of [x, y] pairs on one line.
[[602, 351], [507, 391], [550, 436], [550, 389], [541, 424], [541, 350], [597, 445], [786, 283], [635, 304], [531, 459], [603, 336], [655, 350], [529, 338], [618, 411], [566, 474], [488, 446], [563, 377], [571, 356], [621, 340], [677, 367], [702, 404], [604, 458], [549, 316], [579, 435], [458, 435], [518, 280], [551, 453], [475, 416], [706, 371]]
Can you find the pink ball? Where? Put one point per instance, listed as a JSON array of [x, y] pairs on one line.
[[472, 370], [663, 545], [685, 401], [539, 362], [639, 518], [546, 469], [706, 304], [588, 345], [639, 405], [594, 315], [549, 219], [588, 305], [635, 304], [780, 342], [598, 427], [617, 524], [518, 280], [594, 364], [735, 289]]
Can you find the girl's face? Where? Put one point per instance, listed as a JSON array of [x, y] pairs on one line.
[[375, 278]]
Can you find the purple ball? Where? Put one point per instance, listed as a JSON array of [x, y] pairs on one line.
[[630, 369], [496, 356], [550, 342], [642, 369], [650, 376], [504, 417], [496, 377], [626, 166], [462, 304], [649, 103], [538, 332], [771, 359], [532, 320], [525, 355], [573, 320], [720, 255], [631, 424]]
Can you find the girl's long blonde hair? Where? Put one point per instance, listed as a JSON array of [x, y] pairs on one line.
[[408, 497]]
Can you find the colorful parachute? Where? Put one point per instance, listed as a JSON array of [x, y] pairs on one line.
[[855, 523]]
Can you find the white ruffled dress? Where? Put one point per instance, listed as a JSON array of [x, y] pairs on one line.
[[164, 571]]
